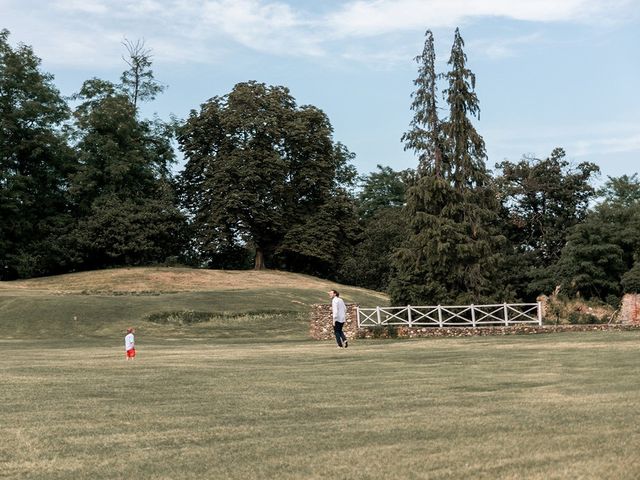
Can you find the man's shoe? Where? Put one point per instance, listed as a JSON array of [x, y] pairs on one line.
[[345, 344]]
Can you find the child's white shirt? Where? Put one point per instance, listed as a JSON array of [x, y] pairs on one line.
[[129, 342]]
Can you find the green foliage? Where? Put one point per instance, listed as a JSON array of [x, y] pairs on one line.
[[370, 263], [453, 248], [382, 228], [425, 134], [622, 191], [129, 232], [581, 318], [605, 245], [541, 201], [631, 279], [138, 81], [591, 263], [323, 240], [123, 194], [181, 317], [383, 189], [260, 171], [384, 331], [34, 165]]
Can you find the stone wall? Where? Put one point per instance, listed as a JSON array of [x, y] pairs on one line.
[[630, 309], [321, 327], [416, 332]]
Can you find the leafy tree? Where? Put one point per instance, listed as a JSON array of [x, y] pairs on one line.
[[541, 201], [259, 168], [34, 165], [122, 189], [591, 264], [382, 189], [631, 279], [452, 251], [130, 231], [370, 263], [621, 191], [138, 80], [605, 245], [383, 228]]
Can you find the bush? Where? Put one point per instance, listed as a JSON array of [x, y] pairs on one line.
[[186, 317], [384, 331], [581, 318]]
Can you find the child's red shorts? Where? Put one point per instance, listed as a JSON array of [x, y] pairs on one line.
[[131, 353]]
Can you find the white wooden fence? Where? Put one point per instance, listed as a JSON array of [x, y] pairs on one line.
[[505, 314]]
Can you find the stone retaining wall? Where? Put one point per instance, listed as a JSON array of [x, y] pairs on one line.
[[416, 332], [321, 328], [321, 325]]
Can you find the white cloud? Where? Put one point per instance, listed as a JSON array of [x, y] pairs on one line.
[[82, 32], [582, 142], [376, 17], [504, 47], [624, 143], [81, 6], [268, 27]]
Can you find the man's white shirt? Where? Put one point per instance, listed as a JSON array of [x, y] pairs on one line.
[[338, 309]]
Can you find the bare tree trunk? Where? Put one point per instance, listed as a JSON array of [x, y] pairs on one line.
[[259, 263]]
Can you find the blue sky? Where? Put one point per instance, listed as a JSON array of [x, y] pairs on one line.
[[549, 72]]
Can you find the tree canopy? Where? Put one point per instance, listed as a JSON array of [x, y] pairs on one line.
[[263, 173], [35, 161]]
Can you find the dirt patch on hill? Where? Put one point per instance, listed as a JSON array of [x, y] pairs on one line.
[[145, 280]]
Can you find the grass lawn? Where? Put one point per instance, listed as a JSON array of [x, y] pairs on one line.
[[534, 407]]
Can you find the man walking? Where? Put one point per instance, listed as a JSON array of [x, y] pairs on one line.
[[339, 311]]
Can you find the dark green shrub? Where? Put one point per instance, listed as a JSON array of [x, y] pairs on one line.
[[384, 331], [581, 318], [185, 317]]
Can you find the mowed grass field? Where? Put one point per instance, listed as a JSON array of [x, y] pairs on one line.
[[247, 395], [535, 407]]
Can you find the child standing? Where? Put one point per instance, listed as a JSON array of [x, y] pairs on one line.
[[130, 344]]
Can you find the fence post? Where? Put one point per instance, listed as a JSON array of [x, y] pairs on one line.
[[378, 314], [473, 316], [358, 315], [506, 315], [439, 317], [409, 316], [540, 313]]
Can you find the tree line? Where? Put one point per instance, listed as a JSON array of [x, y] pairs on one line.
[[87, 182]]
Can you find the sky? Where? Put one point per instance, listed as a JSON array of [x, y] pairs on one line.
[[549, 73]]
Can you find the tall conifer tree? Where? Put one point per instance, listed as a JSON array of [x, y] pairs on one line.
[[450, 255]]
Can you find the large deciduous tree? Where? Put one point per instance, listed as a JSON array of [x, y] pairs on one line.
[[600, 258], [34, 165], [122, 189], [451, 253], [541, 201], [265, 174], [384, 228]]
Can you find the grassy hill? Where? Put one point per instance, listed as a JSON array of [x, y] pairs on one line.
[[164, 301]]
